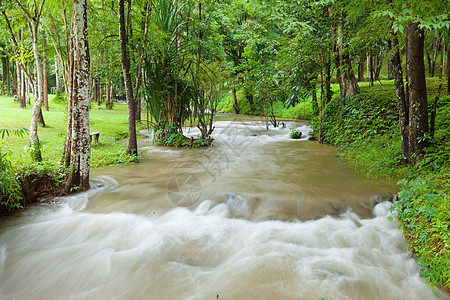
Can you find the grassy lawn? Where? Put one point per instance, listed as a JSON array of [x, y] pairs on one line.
[[112, 125]]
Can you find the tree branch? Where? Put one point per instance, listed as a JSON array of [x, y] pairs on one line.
[[16, 46], [27, 14]]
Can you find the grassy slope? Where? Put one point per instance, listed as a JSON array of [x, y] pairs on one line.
[[112, 125], [366, 131]]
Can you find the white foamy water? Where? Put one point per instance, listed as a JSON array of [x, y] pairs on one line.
[[200, 253], [126, 239]]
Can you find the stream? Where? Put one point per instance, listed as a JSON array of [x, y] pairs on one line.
[[256, 216]]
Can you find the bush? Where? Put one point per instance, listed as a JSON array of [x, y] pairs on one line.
[[423, 214], [366, 131], [295, 133], [60, 98], [301, 111], [10, 191]]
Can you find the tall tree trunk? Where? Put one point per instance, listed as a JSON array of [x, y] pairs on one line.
[[403, 105], [8, 76], [347, 80], [429, 60], [36, 114], [442, 64], [368, 66], [235, 101], [448, 68], [249, 98], [361, 67], [436, 47], [378, 65], [20, 77], [108, 95], [23, 88], [315, 106], [371, 69], [57, 75], [44, 74], [18, 81], [78, 138], [132, 143], [328, 92], [418, 106], [3, 75], [27, 91]]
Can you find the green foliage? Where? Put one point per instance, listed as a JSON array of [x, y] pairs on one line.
[[423, 214], [366, 131], [295, 133], [10, 192], [60, 98], [17, 132], [301, 111], [171, 136], [35, 150]]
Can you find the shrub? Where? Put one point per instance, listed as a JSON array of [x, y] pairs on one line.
[[10, 191], [295, 133]]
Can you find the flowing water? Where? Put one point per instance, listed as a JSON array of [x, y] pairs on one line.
[[256, 216]]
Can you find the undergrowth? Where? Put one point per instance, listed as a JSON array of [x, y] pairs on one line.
[[366, 131]]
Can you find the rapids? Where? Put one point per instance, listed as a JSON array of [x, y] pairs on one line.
[[256, 216]]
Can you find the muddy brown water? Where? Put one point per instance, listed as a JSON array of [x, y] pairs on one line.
[[256, 216]]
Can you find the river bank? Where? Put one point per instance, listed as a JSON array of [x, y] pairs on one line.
[[366, 132]]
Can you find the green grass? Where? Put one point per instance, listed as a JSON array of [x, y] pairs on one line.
[[112, 125]]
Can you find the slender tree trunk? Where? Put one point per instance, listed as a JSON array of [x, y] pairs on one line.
[[132, 143], [347, 80], [436, 46], [328, 92], [403, 105], [378, 65], [57, 75], [442, 64], [8, 77], [315, 106], [27, 91], [361, 67], [3, 75], [94, 90], [428, 56], [448, 68], [108, 95], [23, 98], [78, 123], [18, 81], [235, 103], [44, 74], [418, 106], [368, 66], [249, 98], [322, 98], [36, 113], [371, 69]]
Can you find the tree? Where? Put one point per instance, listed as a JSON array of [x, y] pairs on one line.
[[132, 143], [77, 152], [36, 113], [403, 106], [413, 106], [417, 90]]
